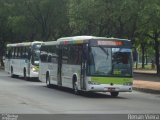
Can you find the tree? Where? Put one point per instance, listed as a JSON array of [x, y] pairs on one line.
[[152, 16], [4, 31], [48, 15]]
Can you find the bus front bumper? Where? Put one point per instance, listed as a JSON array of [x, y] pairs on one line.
[[109, 88], [33, 74]]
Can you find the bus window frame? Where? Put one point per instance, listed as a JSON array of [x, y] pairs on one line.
[[108, 46]]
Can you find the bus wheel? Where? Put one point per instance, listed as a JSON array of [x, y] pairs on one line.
[[12, 75], [75, 86], [48, 81], [25, 75], [114, 94]]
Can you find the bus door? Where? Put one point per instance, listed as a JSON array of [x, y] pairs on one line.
[[28, 61], [83, 67], [7, 64], [59, 71], [6, 60]]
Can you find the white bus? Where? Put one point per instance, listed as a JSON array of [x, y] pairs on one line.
[[87, 63], [22, 59]]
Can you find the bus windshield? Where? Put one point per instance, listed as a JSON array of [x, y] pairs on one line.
[[36, 54], [105, 61]]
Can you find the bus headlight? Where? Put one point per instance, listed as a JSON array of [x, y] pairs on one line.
[[34, 69]]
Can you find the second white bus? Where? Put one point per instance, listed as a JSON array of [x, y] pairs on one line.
[[22, 59]]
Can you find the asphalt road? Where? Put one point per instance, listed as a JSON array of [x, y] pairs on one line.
[[32, 97]]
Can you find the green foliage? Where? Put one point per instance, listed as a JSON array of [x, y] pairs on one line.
[[138, 20]]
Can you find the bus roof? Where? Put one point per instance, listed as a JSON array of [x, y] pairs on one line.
[[84, 39], [51, 43], [23, 44]]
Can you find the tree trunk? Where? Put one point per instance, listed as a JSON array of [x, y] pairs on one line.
[[136, 64], [157, 56], [155, 37], [143, 54], [135, 57], [146, 58]]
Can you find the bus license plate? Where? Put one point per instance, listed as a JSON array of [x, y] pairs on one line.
[[111, 89]]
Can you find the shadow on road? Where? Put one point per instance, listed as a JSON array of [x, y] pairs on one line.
[[28, 80], [83, 93]]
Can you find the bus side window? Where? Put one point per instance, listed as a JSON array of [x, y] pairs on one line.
[[43, 54], [72, 55], [14, 52], [7, 53], [49, 53], [85, 52], [79, 55], [23, 50], [49, 57], [29, 54], [90, 60], [18, 52], [76, 55], [52, 54], [65, 55]]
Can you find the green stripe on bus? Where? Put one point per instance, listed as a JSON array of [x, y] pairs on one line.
[[108, 80]]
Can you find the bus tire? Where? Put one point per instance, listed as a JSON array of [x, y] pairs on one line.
[[25, 74], [75, 85], [12, 75], [114, 94], [48, 80]]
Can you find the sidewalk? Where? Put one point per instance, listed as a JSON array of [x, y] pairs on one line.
[[145, 71], [146, 81]]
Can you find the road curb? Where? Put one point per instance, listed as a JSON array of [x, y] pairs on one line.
[[143, 73], [147, 90]]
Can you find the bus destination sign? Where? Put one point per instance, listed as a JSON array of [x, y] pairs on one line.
[[110, 43]]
